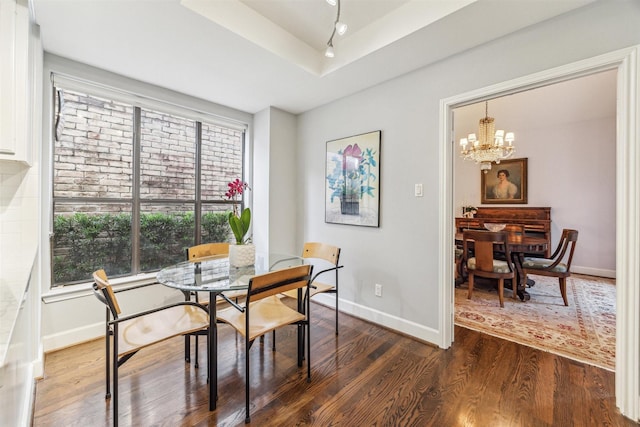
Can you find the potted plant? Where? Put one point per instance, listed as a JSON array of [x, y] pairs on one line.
[[351, 178], [469, 211], [243, 252]]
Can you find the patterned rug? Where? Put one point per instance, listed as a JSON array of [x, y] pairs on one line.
[[585, 331]]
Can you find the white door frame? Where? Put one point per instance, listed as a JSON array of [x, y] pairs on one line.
[[627, 62]]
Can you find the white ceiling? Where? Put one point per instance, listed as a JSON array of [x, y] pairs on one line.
[[252, 54], [577, 100]]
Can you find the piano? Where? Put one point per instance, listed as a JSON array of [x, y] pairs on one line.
[[536, 221]]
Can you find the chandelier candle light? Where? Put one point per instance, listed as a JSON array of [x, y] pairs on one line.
[[489, 146]]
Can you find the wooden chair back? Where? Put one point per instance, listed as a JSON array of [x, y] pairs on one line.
[[103, 290], [278, 281], [207, 251], [323, 251], [483, 247], [567, 242]]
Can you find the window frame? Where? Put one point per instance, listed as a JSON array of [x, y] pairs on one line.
[[140, 102]]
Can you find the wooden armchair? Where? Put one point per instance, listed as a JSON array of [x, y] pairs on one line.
[[264, 312], [128, 334], [484, 264], [559, 265]]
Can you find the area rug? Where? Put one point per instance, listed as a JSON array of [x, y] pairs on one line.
[[583, 331]]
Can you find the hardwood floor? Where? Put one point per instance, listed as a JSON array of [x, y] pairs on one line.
[[365, 376]]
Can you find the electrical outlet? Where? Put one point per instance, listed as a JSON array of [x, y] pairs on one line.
[[378, 290]]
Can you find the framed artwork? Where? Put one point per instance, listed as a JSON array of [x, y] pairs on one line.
[[352, 180], [504, 183]]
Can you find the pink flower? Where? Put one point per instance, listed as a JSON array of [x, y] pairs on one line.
[[236, 188], [351, 151]]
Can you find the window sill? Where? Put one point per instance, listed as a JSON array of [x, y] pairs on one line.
[[84, 289]]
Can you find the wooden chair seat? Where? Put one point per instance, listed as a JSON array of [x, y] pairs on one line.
[[499, 266], [203, 297], [316, 288], [140, 332], [544, 264], [267, 315]]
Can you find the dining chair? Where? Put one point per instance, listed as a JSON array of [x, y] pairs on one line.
[[483, 263], [129, 333], [330, 255], [200, 253], [559, 265], [264, 312]]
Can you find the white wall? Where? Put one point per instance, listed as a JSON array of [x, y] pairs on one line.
[[571, 154], [402, 254], [275, 196]]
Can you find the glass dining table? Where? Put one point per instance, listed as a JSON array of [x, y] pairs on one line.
[[216, 276]]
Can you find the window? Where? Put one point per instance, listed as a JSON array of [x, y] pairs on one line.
[[133, 187]]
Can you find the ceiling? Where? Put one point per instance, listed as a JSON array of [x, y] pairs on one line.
[[582, 99], [253, 54]]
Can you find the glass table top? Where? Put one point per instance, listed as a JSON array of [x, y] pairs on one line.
[[216, 275]]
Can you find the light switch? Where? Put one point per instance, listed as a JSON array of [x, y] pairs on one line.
[[418, 190]]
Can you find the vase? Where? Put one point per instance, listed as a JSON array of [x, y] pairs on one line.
[[242, 255], [349, 206]]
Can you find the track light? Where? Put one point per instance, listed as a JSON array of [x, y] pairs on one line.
[[338, 27], [329, 53]]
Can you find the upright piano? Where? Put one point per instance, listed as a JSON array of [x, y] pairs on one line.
[[536, 220]]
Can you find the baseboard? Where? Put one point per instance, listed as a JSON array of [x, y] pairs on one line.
[[599, 272], [386, 320], [72, 337]]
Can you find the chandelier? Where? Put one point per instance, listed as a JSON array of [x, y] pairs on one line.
[[338, 27], [489, 146]]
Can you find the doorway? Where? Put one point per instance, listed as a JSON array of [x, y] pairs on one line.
[[562, 135], [627, 207]]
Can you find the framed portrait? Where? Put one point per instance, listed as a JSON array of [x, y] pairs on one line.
[[352, 180], [504, 183]]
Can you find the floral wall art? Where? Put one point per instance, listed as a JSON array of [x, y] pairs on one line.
[[352, 192]]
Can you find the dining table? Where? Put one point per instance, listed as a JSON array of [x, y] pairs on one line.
[[215, 276], [519, 245]]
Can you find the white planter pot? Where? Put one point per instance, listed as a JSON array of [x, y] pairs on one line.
[[242, 255]]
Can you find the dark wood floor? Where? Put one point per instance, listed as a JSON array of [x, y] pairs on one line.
[[366, 376]]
